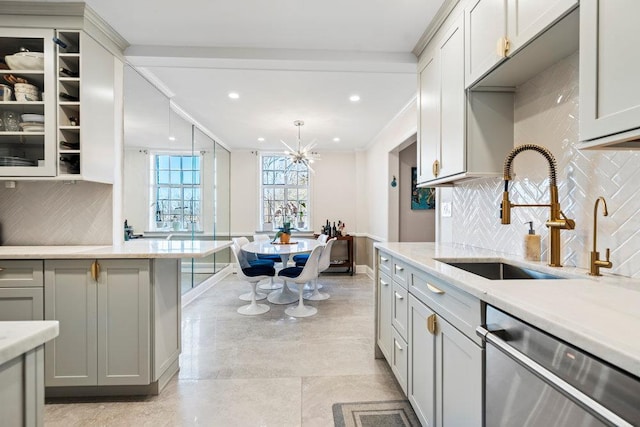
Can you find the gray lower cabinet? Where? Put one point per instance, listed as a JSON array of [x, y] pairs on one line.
[[105, 324], [385, 296], [21, 290], [22, 389], [444, 371]]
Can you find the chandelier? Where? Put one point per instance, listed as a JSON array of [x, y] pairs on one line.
[[302, 155]]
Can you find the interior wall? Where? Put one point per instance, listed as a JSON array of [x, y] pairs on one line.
[[376, 186], [56, 213], [414, 225], [546, 113]]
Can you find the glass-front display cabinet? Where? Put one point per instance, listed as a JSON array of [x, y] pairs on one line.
[[27, 103]]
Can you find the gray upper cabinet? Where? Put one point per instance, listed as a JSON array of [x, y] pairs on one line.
[[609, 85], [497, 30], [486, 30]]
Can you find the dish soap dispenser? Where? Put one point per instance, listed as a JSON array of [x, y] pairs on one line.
[[531, 244]]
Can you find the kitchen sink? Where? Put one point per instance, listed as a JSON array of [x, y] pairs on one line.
[[501, 271]]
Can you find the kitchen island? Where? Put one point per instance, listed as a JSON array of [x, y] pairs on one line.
[[22, 371], [427, 312], [119, 309]]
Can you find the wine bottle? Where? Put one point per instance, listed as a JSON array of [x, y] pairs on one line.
[[68, 73], [334, 230]]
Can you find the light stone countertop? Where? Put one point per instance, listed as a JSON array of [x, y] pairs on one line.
[[600, 315], [138, 248], [17, 338]]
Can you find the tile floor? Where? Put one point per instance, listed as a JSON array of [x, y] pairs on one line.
[[268, 370]]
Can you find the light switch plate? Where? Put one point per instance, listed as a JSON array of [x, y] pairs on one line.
[[445, 210]]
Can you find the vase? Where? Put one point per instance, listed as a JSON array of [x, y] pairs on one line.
[[285, 238]]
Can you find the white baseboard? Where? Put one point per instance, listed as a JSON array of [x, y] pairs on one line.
[[365, 269], [203, 287]]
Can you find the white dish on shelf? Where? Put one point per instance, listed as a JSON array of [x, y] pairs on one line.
[[32, 127], [32, 118], [26, 97], [25, 61]]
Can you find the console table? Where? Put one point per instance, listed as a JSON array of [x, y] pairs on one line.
[[347, 263]]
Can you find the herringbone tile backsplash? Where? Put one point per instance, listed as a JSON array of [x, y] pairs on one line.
[[546, 113], [55, 213]]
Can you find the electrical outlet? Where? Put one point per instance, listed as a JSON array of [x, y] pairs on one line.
[[445, 210]]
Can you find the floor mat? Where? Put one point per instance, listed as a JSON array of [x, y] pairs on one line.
[[391, 413]]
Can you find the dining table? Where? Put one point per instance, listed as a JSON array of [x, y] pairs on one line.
[[285, 251]]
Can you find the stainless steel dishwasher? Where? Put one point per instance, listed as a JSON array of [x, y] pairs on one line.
[[534, 379]]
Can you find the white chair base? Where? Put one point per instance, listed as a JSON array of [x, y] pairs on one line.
[[300, 310], [309, 286], [282, 296], [248, 295], [253, 309], [316, 296], [271, 286]]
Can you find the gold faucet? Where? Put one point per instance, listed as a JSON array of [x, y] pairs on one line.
[[596, 263], [557, 220]]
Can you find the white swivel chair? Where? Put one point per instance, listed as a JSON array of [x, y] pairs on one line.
[[271, 286], [252, 275], [300, 276], [246, 259], [323, 264], [301, 259]]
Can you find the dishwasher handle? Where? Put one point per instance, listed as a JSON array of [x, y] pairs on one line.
[[552, 379]]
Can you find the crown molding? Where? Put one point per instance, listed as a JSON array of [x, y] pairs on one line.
[[434, 25], [103, 26], [40, 8]]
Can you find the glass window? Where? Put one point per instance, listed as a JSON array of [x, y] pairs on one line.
[[284, 192], [176, 192]]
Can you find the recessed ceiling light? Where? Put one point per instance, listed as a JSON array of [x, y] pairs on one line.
[[336, 139], [261, 139], [172, 138], [234, 95], [354, 98]]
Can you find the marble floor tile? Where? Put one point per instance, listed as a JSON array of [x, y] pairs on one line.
[[267, 370]]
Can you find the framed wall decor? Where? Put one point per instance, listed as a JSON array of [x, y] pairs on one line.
[[421, 198]]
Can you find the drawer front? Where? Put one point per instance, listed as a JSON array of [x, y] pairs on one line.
[[400, 309], [399, 361], [385, 262], [385, 310], [459, 308], [21, 304], [21, 273], [400, 273]]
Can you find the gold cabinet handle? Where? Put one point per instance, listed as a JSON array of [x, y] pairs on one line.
[[434, 289], [398, 346], [95, 270], [503, 47], [398, 296], [435, 168], [432, 324]]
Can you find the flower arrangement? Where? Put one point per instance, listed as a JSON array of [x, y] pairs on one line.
[[288, 211], [284, 232]]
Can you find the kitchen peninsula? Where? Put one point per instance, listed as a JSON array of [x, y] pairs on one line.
[[118, 307]]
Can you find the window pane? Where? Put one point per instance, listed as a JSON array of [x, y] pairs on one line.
[[176, 193], [163, 193], [163, 177], [188, 163], [188, 193], [303, 178], [302, 194], [175, 177], [187, 177], [162, 162], [292, 194], [174, 162]]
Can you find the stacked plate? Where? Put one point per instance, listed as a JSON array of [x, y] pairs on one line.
[[16, 161], [32, 122]]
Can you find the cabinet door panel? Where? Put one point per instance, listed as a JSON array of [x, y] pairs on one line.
[[459, 381], [485, 25], [429, 119], [422, 352], [21, 304], [609, 88], [123, 322], [70, 298], [21, 273], [384, 314], [452, 98], [527, 18]]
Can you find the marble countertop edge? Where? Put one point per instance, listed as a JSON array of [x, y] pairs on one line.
[[19, 337]]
